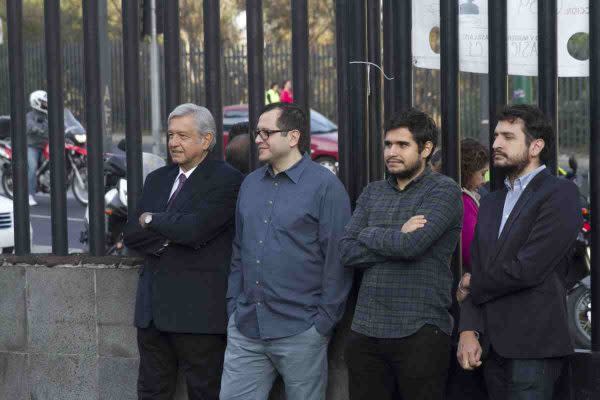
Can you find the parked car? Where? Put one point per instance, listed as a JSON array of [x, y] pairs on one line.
[[323, 134], [7, 228]]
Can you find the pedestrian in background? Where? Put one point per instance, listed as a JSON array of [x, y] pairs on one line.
[[287, 94], [272, 95], [462, 384]]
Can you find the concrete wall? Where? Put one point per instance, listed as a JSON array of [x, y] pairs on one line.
[[66, 331]]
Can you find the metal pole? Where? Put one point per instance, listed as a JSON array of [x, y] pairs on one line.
[[157, 148], [403, 54], [449, 88], [344, 142], [14, 16], [256, 74], [548, 69], [56, 127], [300, 57], [94, 114], [388, 58], [212, 69], [595, 168], [498, 74], [172, 57], [133, 123], [376, 166], [357, 88], [450, 112]]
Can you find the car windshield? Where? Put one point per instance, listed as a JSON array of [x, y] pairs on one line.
[[318, 122]]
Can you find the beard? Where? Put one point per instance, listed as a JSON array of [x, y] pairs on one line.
[[410, 172], [514, 165]]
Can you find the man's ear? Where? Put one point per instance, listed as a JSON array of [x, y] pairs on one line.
[[207, 140], [427, 150], [536, 147], [294, 137]]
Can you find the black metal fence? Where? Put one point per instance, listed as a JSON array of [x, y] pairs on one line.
[[573, 101]]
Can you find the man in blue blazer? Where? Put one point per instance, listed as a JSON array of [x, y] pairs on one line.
[[184, 229], [521, 251]]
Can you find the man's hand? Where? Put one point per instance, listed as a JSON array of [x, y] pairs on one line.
[[143, 218], [469, 351], [463, 288], [416, 222]]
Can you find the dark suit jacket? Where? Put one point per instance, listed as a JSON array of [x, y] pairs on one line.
[[183, 288], [517, 299]]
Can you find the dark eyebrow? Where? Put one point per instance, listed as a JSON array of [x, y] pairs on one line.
[[401, 142]]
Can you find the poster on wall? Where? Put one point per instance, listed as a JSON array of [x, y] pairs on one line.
[[572, 40]]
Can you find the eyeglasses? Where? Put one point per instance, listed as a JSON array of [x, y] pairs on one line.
[[266, 133]]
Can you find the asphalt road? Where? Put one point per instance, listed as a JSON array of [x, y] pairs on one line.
[[41, 222], [42, 228]]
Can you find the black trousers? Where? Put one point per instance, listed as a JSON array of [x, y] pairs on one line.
[[464, 385], [199, 356], [410, 368], [521, 379]]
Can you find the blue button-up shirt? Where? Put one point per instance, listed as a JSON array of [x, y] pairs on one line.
[[514, 193], [286, 274]]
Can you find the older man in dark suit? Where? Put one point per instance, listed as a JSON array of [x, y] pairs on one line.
[[184, 229]]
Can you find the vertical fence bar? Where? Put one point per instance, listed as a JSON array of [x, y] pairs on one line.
[[357, 87], [300, 56], [403, 53], [449, 93], [56, 127], [133, 123], [388, 57], [94, 112], [256, 73], [595, 168], [342, 59], [498, 74], [374, 90], [172, 57], [212, 69], [548, 69], [449, 88], [14, 17]]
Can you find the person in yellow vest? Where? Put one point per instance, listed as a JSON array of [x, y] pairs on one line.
[[272, 95]]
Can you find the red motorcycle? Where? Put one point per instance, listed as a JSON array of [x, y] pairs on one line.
[[75, 160]]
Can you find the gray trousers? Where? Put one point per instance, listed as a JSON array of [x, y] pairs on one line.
[[251, 365]]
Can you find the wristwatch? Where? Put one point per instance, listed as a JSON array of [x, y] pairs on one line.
[[148, 219]]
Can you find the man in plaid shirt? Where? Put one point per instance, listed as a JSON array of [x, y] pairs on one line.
[[403, 234]]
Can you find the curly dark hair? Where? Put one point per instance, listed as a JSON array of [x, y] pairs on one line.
[[474, 156]]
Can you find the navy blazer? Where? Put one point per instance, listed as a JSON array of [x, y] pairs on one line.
[[517, 298], [182, 289]]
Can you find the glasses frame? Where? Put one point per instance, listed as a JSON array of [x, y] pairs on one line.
[[268, 132]]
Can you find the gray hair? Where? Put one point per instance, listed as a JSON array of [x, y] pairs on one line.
[[205, 123]]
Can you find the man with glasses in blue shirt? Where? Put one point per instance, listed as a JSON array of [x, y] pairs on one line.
[[287, 287]]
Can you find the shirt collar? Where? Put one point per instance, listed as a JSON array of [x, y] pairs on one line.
[[522, 181], [189, 172], [292, 172], [426, 172]]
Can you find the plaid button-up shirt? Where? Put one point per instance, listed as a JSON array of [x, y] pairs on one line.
[[407, 278]]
